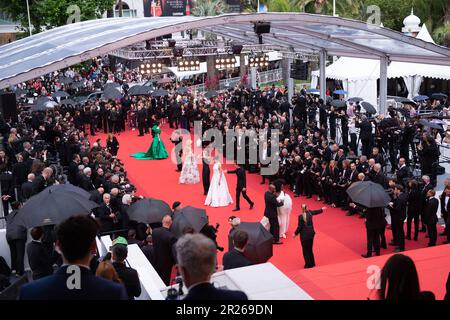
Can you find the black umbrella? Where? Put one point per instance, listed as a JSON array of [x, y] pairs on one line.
[[149, 210], [77, 85], [438, 96], [401, 100], [338, 104], [355, 99], [368, 194], [211, 94], [65, 80], [164, 81], [112, 94], [139, 90], [67, 187], [19, 92], [42, 103], [111, 85], [195, 218], [431, 125], [49, 208], [368, 107], [68, 101], [260, 241], [60, 94], [160, 93], [182, 90]]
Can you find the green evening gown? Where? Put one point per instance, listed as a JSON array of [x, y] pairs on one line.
[[156, 151]]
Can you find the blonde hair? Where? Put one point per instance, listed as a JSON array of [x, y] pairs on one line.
[[106, 271]]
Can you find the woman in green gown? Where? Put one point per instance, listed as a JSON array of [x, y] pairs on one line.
[[157, 150]]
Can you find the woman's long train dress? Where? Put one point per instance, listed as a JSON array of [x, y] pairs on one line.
[[284, 213], [157, 149], [189, 172], [218, 193]]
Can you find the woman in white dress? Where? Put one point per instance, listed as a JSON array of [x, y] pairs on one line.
[[284, 212], [189, 172], [218, 193]]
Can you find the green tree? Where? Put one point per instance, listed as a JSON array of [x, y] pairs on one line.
[[442, 35], [46, 14], [344, 8], [203, 8]]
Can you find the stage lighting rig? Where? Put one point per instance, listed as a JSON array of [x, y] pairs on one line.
[[225, 62], [188, 64], [150, 67], [260, 60]]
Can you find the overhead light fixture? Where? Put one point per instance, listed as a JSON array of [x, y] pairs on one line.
[[151, 67], [225, 62], [259, 60], [188, 64]]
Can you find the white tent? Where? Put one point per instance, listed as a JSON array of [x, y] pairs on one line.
[[359, 76]]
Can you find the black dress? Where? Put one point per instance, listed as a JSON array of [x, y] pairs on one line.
[[206, 173]]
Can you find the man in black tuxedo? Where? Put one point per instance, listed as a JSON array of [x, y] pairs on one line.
[[41, 181], [375, 222], [426, 187], [105, 214], [73, 169], [402, 172], [141, 118], [97, 195], [163, 241], [129, 276], [235, 257], [16, 236], [378, 176], [76, 241], [41, 262], [86, 180], [398, 215], [270, 211], [241, 187], [20, 173], [445, 212], [431, 217], [26, 190], [196, 256], [365, 134]]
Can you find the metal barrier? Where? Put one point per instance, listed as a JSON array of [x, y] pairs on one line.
[[263, 77]]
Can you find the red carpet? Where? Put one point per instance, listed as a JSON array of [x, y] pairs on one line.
[[339, 239]]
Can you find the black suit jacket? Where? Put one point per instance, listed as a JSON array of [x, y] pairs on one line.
[[431, 208], [41, 263], [55, 287], [398, 211], [20, 173], [106, 222], [241, 178], [207, 291], [402, 175], [444, 210], [272, 204], [72, 173], [130, 279], [306, 229], [163, 241], [26, 190], [234, 259], [39, 184], [14, 231], [86, 183]]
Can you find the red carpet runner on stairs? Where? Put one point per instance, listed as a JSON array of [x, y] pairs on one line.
[[339, 241]]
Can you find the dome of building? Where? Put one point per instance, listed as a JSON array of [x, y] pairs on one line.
[[411, 24]]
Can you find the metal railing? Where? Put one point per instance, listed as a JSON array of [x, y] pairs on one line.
[[263, 77]]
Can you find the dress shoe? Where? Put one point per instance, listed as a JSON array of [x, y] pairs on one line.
[[408, 238], [235, 209], [277, 242], [252, 205], [392, 244], [348, 214], [366, 255], [296, 195], [399, 250], [423, 230], [443, 234], [384, 246], [308, 197], [262, 182], [446, 242], [415, 239], [430, 245]]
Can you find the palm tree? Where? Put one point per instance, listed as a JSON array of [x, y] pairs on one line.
[[347, 8], [204, 8], [442, 35]]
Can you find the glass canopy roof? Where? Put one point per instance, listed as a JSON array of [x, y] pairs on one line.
[[67, 45]]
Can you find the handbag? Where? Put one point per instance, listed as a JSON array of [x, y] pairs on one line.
[[265, 223]]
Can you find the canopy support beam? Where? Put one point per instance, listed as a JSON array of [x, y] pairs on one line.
[[384, 63], [323, 76]]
